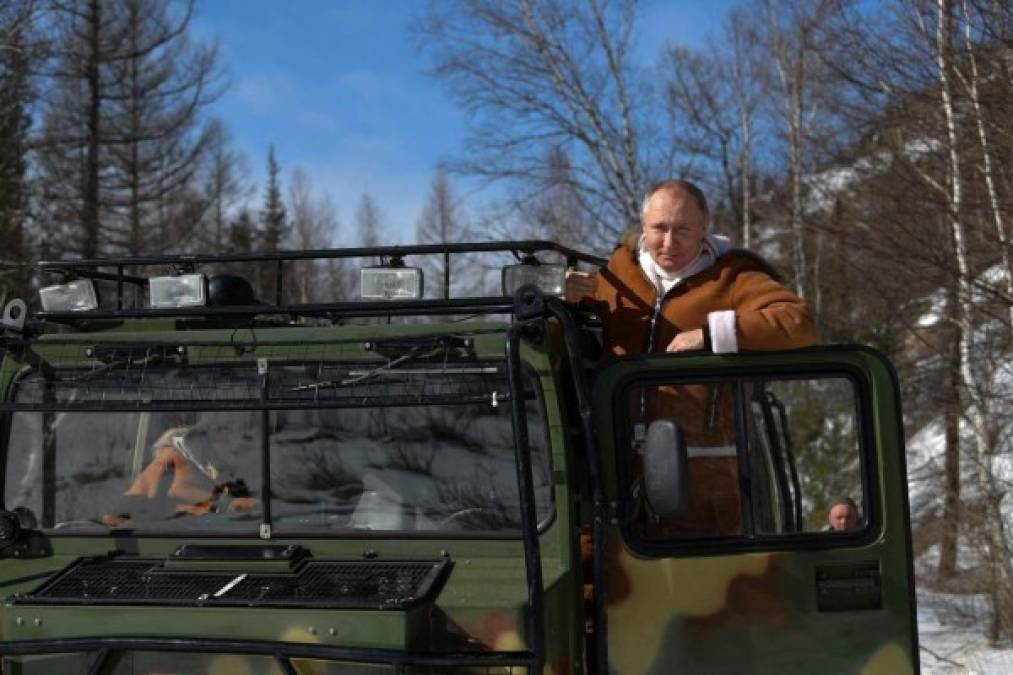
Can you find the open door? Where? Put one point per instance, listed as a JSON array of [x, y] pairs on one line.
[[790, 551]]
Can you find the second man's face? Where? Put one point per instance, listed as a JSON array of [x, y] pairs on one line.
[[842, 517], [674, 229]]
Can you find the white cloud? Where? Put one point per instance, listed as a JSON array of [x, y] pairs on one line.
[[400, 194], [264, 90]]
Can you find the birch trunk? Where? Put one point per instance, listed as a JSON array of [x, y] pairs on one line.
[[951, 406], [986, 153], [745, 108], [999, 564]]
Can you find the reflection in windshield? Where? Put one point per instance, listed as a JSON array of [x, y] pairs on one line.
[[444, 466], [403, 468], [143, 470]]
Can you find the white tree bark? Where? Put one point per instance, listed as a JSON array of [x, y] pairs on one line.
[[745, 104], [971, 83], [975, 389], [789, 54]]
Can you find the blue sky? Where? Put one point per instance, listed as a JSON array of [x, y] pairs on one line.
[[340, 90]]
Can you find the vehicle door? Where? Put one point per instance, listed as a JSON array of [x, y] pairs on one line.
[[749, 576]]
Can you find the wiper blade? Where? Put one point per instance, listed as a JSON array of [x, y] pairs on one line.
[[414, 353], [113, 365]]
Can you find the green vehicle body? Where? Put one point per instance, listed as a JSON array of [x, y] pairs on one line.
[[790, 602]]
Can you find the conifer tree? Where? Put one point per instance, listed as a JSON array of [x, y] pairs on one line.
[[273, 228], [272, 218]]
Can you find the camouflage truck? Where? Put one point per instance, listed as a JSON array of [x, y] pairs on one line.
[[200, 481]]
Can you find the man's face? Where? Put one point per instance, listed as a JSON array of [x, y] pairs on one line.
[[843, 517], [674, 229]]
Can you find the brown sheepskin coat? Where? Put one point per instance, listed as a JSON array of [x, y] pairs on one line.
[[768, 315]]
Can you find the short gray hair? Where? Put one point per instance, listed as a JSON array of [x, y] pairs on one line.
[[674, 185], [844, 500]]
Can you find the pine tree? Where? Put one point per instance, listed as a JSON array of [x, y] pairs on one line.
[[273, 229]]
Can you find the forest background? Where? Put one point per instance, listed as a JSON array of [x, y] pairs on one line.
[[865, 148]]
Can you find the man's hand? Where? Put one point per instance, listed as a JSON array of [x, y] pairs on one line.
[[579, 285], [689, 341]]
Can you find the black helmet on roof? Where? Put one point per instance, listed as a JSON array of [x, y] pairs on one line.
[[230, 289]]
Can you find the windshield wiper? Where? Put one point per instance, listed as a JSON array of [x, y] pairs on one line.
[[151, 359], [415, 352]]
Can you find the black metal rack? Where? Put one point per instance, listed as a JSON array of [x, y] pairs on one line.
[[119, 270]]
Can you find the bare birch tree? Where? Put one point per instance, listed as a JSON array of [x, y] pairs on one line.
[[224, 180], [998, 551], [368, 221], [536, 74], [314, 225], [714, 92], [699, 92], [747, 97], [440, 223], [970, 80], [789, 34]]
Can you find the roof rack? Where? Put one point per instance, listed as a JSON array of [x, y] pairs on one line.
[[117, 269]]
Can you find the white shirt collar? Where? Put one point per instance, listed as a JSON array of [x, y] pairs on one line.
[[711, 248]]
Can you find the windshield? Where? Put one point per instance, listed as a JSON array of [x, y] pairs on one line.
[[424, 448]]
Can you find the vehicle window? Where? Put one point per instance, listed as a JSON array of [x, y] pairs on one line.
[[351, 446], [448, 465], [404, 468], [149, 471], [764, 457]]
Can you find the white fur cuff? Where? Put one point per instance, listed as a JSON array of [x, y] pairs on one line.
[[722, 328]]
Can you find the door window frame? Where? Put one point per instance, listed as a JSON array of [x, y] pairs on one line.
[[869, 465]]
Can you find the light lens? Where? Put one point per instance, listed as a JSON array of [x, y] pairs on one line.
[[77, 296], [186, 290], [549, 278], [391, 283]]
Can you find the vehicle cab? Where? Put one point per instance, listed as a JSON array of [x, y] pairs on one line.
[[198, 480]]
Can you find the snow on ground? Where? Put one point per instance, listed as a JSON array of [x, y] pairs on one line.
[[951, 632], [953, 627]]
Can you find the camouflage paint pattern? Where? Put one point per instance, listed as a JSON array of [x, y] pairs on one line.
[[730, 613], [480, 607], [756, 612]]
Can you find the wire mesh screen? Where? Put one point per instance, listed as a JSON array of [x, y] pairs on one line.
[[372, 584], [132, 376]]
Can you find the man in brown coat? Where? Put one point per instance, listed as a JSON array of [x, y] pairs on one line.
[[673, 287]]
